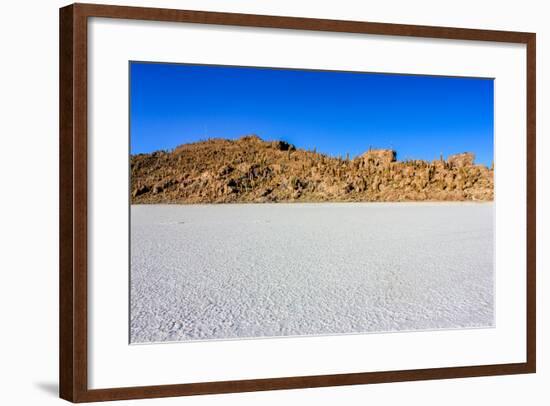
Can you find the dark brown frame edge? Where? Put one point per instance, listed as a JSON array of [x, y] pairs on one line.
[[73, 202]]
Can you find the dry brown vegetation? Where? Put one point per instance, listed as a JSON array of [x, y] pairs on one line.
[[252, 170]]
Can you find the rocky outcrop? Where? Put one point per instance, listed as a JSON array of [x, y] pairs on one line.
[[252, 170], [462, 160], [380, 156]]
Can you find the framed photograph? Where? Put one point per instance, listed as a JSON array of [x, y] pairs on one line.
[[255, 202]]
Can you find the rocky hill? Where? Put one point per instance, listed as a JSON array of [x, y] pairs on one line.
[[252, 170]]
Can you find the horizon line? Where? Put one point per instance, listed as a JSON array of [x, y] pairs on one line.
[[314, 150]]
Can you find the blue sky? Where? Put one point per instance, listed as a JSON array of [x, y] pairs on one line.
[[420, 117]]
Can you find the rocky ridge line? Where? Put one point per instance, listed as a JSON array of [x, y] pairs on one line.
[[253, 170]]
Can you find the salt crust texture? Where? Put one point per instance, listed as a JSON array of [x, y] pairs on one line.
[[263, 270]]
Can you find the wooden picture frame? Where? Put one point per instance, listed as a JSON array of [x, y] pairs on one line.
[[73, 208]]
